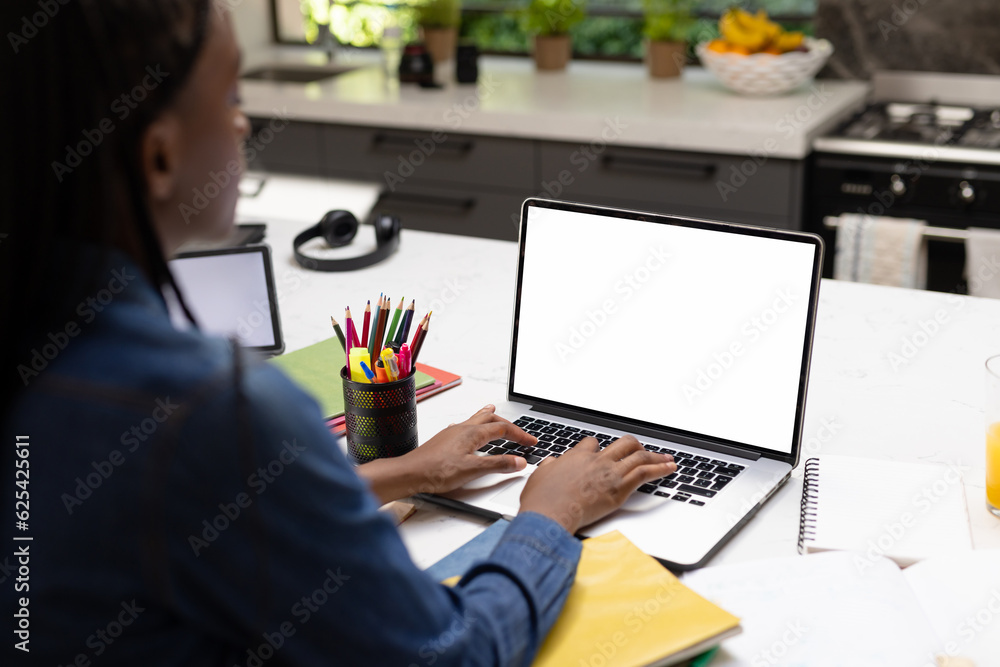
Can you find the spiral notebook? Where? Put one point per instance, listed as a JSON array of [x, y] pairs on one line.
[[903, 511]]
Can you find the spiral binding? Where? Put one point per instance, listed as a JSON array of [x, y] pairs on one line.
[[810, 502]]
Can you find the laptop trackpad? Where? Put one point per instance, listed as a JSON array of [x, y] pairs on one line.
[[510, 497]]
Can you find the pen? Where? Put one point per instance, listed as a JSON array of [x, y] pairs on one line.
[[368, 372], [391, 368], [404, 360], [395, 322], [380, 371], [340, 332]]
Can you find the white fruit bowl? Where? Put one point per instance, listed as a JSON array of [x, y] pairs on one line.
[[764, 73]]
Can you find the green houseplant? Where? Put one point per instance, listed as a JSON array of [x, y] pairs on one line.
[[666, 27], [439, 21], [549, 22]]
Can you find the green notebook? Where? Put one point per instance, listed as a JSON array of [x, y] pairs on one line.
[[317, 370]]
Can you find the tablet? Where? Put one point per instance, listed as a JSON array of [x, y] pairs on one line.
[[231, 293]]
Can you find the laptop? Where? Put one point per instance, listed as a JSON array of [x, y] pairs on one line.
[[693, 335], [231, 293]]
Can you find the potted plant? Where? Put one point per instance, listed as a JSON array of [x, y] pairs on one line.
[[439, 21], [548, 22], [666, 27]]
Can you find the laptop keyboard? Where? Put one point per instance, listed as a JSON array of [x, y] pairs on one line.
[[698, 478]]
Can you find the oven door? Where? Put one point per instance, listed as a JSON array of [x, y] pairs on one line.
[[951, 197]]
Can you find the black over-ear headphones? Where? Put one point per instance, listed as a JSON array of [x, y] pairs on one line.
[[339, 228]]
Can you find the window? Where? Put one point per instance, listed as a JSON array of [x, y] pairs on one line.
[[612, 30]]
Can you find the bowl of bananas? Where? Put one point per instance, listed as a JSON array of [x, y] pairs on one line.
[[756, 56]]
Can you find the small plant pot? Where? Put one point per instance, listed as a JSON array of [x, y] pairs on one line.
[[552, 52], [665, 59], [440, 43]]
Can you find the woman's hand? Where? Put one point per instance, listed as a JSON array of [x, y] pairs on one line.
[[587, 483], [448, 460]]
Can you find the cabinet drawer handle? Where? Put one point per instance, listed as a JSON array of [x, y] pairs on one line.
[[667, 167], [397, 142], [445, 204]]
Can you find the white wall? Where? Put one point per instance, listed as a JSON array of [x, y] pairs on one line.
[[252, 19]]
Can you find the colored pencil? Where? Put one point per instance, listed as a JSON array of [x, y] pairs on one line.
[[354, 329], [371, 339], [395, 323], [418, 340], [368, 319], [417, 331], [340, 332], [383, 317], [404, 328]]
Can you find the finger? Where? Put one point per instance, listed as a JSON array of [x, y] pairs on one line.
[[643, 457], [501, 428], [546, 461], [622, 447], [501, 463], [588, 445], [647, 472], [484, 415]]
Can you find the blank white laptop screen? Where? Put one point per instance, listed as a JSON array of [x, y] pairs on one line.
[[681, 327], [228, 295]]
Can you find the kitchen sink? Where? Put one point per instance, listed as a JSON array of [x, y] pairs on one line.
[[296, 73]]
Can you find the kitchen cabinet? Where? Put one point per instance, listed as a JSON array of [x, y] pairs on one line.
[[473, 185]]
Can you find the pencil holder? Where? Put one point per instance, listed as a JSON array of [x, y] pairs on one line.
[[381, 418]]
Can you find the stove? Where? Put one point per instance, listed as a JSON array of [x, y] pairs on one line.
[[926, 147]]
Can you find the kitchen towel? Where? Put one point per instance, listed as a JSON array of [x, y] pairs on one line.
[[982, 251], [881, 251]]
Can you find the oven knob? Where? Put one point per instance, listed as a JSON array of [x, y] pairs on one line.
[[966, 192], [897, 185]]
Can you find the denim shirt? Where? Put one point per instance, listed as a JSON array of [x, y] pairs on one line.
[[188, 508]]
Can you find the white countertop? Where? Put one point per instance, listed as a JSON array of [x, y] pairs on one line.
[[694, 113], [928, 409]]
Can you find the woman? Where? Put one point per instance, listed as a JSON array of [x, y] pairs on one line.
[[189, 506]]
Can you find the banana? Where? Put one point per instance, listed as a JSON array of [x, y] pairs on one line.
[[742, 29], [789, 41]]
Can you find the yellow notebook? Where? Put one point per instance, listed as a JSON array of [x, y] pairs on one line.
[[625, 609]]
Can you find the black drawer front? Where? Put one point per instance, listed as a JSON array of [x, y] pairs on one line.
[[683, 183], [397, 157], [455, 211], [279, 145]]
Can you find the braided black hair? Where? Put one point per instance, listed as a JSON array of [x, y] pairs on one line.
[[65, 178]]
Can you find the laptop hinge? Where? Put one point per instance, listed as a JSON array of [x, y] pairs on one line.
[[727, 450]]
